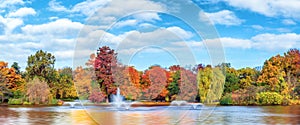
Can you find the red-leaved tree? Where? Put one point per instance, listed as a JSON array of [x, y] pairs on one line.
[[105, 62]]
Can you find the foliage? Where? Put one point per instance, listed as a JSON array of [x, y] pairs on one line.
[[15, 101], [105, 61], [267, 98], [211, 84], [53, 101], [204, 78], [188, 86], [38, 91], [41, 64], [128, 80], [82, 81], [226, 99], [11, 83], [97, 96], [157, 81], [27, 103], [64, 87], [173, 87], [17, 68], [247, 77], [247, 96], [272, 74]]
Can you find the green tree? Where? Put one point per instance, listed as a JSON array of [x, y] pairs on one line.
[[17, 68], [173, 87], [41, 64], [231, 79], [64, 87], [231, 83]]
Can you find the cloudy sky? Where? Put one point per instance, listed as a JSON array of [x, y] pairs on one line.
[[150, 32]]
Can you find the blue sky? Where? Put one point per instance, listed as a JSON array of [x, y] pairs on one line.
[[145, 32]]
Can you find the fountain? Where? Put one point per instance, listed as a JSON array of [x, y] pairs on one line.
[[72, 104], [185, 104], [196, 106], [119, 103]]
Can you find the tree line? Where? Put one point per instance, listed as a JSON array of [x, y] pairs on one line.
[[276, 83]]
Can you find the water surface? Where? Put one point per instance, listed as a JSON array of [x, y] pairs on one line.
[[92, 115]]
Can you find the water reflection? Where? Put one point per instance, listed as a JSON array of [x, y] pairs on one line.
[[221, 115]]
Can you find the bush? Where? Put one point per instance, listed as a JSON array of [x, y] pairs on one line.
[[269, 98], [27, 103], [15, 101], [226, 99], [53, 101]]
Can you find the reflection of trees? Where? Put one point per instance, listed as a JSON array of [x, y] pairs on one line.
[[8, 114], [281, 114]]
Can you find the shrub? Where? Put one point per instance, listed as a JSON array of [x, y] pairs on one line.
[[226, 99], [15, 101], [269, 98], [53, 101], [27, 103]]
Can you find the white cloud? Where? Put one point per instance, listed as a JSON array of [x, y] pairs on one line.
[[106, 11], [9, 3], [270, 8], [126, 23], [60, 27], [86, 7], [268, 42], [274, 42], [147, 16], [10, 24], [89, 7], [56, 6], [180, 32], [56, 37], [64, 54], [257, 27], [22, 12], [53, 18], [288, 22], [235, 43], [224, 17]]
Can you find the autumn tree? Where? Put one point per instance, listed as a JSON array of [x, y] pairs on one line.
[[247, 77], [187, 85], [127, 79], [291, 66], [105, 61], [11, 83], [273, 75], [38, 91], [83, 78], [155, 82]]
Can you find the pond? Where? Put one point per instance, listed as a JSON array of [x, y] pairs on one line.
[[92, 115]]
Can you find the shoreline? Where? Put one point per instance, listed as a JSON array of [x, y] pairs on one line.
[[142, 104]]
